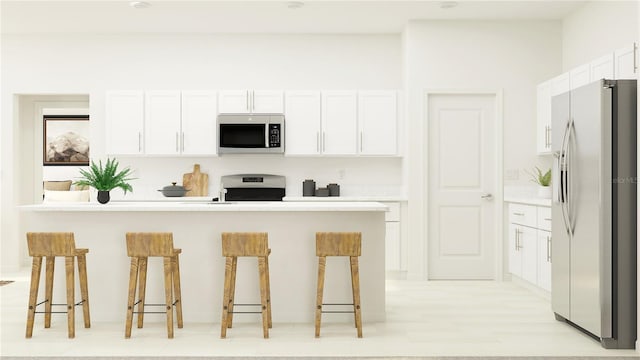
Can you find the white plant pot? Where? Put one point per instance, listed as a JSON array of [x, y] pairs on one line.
[[544, 192]]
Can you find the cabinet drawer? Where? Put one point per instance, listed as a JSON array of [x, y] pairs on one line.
[[544, 218], [394, 212], [523, 214]]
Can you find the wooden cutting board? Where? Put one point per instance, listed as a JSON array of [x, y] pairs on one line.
[[196, 182]]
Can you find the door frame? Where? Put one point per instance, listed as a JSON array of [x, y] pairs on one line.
[[499, 170]]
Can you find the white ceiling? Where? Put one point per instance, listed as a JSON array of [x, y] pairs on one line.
[[239, 16]]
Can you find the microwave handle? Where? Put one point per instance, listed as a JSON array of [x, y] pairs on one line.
[[266, 135]]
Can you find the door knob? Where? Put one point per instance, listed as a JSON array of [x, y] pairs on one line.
[[487, 196]]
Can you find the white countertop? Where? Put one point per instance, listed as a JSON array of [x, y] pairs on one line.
[[344, 198], [153, 206], [528, 200]]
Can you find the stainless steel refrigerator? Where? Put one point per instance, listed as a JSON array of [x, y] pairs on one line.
[[594, 210]]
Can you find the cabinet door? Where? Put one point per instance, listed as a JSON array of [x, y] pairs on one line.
[[302, 122], [124, 122], [544, 260], [377, 122], [579, 76], [199, 111], [515, 257], [392, 246], [162, 123], [529, 251], [339, 122], [602, 68], [543, 117], [626, 62], [560, 84], [267, 101], [233, 102]]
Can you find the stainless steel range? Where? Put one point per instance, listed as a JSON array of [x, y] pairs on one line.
[[252, 187]]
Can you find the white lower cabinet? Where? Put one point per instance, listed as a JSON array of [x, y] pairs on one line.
[[544, 260], [530, 244], [393, 246]]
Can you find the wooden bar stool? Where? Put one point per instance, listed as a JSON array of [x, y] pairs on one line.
[[141, 246], [245, 244], [339, 244], [50, 245]]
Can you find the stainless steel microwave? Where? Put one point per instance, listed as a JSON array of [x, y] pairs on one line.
[[250, 134]]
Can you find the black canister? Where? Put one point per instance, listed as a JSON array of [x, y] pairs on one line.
[[334, 189], [308, 188]]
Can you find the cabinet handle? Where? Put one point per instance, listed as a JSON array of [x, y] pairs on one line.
[[177, 142], [324, 141], [517, 248], [548, 249], [518, 214], [360, 141], [139, 142], [247, 100], [253, 101], [182, 142], [547, 219], [318, 141], [546, 136]]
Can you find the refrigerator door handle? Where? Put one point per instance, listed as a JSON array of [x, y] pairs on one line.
[[562, 166], [568, 169]]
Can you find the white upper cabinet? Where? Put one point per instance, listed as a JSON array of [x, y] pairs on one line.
[[602, 68], [543, 118], [302, 122], [162, 122], [199, 111], [339, 123], [251, 101], [560, 84], [377, 122], [626, 62], [124, 122], [579, 76]]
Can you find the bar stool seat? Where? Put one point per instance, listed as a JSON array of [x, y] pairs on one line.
[[141, 246], [50, 245], [339, 244], [245, 244]]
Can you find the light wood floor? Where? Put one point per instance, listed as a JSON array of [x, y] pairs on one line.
[[424, 319]]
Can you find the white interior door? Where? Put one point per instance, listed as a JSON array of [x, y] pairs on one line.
[[461, 185]]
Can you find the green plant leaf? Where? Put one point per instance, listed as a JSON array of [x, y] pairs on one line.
[[107, 177]]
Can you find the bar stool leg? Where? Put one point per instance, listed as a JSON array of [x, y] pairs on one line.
[[33, 293], [48, 289], [225, 298], [232, 290], [142, 289], [322, 261], [84, 290], [268, 293], [71, 309], [177, 293], [133, 280], [263, 295], [168, 291], [355, 285]]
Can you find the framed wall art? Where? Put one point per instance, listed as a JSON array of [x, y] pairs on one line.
[[66, 140]]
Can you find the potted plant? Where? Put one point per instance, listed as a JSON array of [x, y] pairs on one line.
[[106, 178], [543, 180]]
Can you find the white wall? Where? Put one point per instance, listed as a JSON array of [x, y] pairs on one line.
[[92, 64], [598, 28], [475, 55]]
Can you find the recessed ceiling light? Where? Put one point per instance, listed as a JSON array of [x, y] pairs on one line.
[[139, 4], [295, 4], [448, 4]]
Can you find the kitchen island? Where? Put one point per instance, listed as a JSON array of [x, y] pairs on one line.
[[196, 227]]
